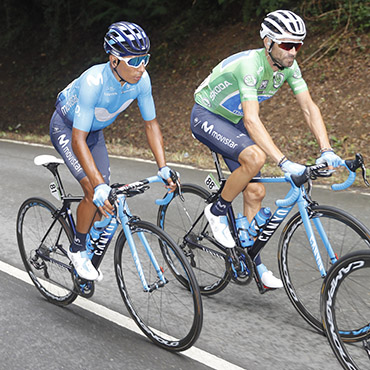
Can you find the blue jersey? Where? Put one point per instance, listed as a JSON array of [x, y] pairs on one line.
[[93, 101]]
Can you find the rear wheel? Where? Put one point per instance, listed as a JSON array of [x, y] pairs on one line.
[[185, 222], [43, 242]]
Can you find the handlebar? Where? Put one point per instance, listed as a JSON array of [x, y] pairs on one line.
[[352, 166], [139, 187], [320, 170]]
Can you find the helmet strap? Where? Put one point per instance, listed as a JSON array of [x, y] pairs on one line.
[[275, 62], [115, 65]]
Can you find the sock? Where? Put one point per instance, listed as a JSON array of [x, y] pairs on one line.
[[258, 260], [220, 207], [79, 242]]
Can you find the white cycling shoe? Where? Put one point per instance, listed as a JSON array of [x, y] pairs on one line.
[[82, 263], [267, 277], [220, 228]]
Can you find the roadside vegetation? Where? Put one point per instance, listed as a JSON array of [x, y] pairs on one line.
[[46, 44]]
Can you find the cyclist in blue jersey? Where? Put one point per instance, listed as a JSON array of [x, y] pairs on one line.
[[89, 104], [226, 118]]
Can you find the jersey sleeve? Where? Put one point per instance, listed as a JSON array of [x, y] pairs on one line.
[[247, 76], [295, 79], [145, 99], [89, 92]]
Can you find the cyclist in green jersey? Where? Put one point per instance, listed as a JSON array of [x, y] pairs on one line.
[[226, 118]]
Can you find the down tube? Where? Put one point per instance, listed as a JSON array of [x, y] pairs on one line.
[[311, 237], [269, 230]]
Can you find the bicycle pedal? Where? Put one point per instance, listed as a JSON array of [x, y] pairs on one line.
[[263, 288], [37, 265], [85, 288], [100, 276]]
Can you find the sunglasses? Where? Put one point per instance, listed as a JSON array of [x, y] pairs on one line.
[[136, 61], [289, 45]]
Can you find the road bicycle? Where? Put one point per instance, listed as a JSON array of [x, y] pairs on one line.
[[149, 266], [311, 241], [345, 307]]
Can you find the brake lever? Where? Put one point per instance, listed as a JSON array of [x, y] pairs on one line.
[[112, 197], [363, 168], [175, 179]]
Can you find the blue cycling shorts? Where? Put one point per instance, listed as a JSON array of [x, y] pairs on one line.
[[61, 137], [220, 135]]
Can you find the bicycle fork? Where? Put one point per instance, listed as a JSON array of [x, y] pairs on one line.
[[161, 279], [302, 205]]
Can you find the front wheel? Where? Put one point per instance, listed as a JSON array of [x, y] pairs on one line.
[[345, 308], [298, 269], [167, 312], [42, 242], [184, 220]]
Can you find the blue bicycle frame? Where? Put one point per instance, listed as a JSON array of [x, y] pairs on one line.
[[125, 218]]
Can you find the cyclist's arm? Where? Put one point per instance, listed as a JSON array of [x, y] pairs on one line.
[[313, 118], [257, 130], [155, 141]]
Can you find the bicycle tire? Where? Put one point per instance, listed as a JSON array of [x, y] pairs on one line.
[[176, 218], [345, 308], [170, 315], [298, 269], [52, 277]]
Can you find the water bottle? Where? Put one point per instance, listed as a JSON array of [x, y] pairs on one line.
[[97, 229], [242, 225], [259, 220]]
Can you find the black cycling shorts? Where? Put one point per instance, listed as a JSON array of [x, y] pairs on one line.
[[220, 134]]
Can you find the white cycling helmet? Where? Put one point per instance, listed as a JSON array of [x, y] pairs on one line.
[[283, 24]]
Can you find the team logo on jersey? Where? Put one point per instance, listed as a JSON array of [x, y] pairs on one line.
[[263, 85], [206, 102], [250, 80], [218, 88], [278, 79], [196, 121], [207, 128], [297, 73]]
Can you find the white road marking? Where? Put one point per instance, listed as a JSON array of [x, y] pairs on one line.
[[194, 353]]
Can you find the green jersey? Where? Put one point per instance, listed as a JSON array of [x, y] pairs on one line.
[[241, 77]]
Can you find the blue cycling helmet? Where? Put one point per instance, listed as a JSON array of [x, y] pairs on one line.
[[126, 38]]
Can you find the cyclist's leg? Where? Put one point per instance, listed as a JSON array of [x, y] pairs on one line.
[[253, 193], [234, 144], [243, 157], [223, 137], [61, 137]]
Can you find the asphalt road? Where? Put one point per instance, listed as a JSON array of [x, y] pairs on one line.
[[242, 329]]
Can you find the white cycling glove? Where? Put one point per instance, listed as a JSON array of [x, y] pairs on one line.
[[330, 158], [101, 193], [164, 172], [292, 168]]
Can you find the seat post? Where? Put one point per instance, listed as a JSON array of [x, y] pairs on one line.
[[53, 168], [216, 160]]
